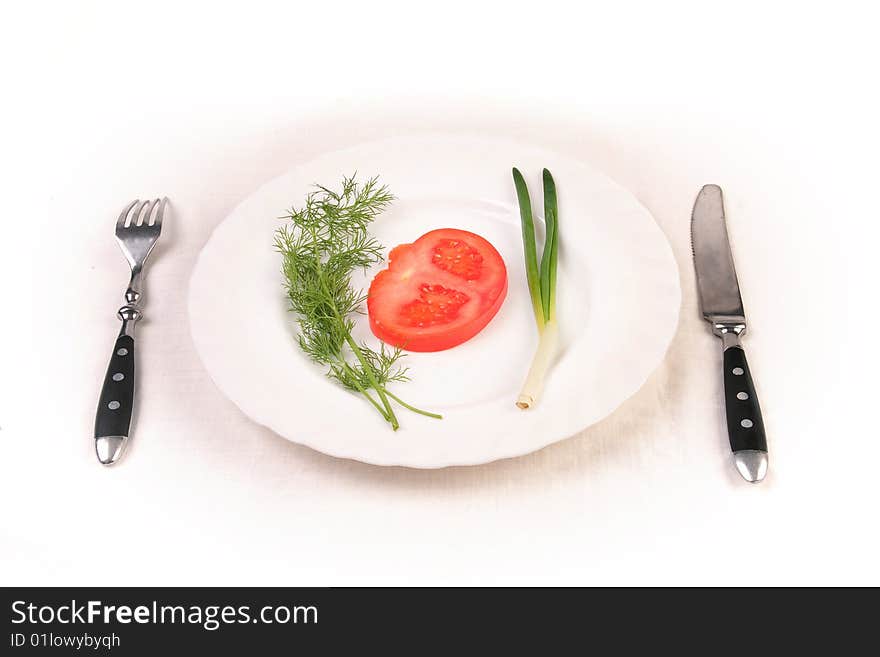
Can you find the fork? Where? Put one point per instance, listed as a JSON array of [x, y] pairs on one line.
[[137, 230]]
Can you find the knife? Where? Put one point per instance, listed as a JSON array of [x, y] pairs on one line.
[[721, 306]]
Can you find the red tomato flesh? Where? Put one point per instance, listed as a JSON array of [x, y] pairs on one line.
[[437, 292]]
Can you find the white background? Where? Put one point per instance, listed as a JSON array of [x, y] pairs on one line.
[[108, 102]]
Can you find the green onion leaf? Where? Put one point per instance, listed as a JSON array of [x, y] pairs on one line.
[[531, 252], [551, 247]]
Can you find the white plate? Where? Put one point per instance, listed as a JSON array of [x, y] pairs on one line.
[[619, 299]]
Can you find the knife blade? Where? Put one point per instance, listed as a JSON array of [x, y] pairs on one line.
[[721, 305]]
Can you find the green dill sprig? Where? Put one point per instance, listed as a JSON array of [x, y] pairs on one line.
[[321, 245]]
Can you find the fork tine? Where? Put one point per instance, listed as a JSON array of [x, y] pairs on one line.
[[157, 220], [148, 213], [135, 215], [120, 223]]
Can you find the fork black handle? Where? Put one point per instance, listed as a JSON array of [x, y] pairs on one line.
[[116, 403], [113, 417]]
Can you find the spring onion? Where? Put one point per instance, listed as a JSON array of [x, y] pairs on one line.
[[541, 281]]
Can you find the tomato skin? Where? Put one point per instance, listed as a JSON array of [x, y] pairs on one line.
[[437, 292]]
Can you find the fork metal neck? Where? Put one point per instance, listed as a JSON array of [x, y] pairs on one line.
[[133, 293], [129, 313]]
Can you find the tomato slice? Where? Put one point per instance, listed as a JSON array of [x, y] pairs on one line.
[[437, 292]]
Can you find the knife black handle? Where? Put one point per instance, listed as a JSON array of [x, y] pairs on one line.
[[113, 417], [745, 426]]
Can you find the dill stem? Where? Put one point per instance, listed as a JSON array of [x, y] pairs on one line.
[[365, 393], [368, 370], [412, 408]]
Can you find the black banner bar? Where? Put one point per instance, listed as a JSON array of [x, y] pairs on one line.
[[134, 621]]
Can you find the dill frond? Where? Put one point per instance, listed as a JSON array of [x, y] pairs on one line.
[[321, 245]]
